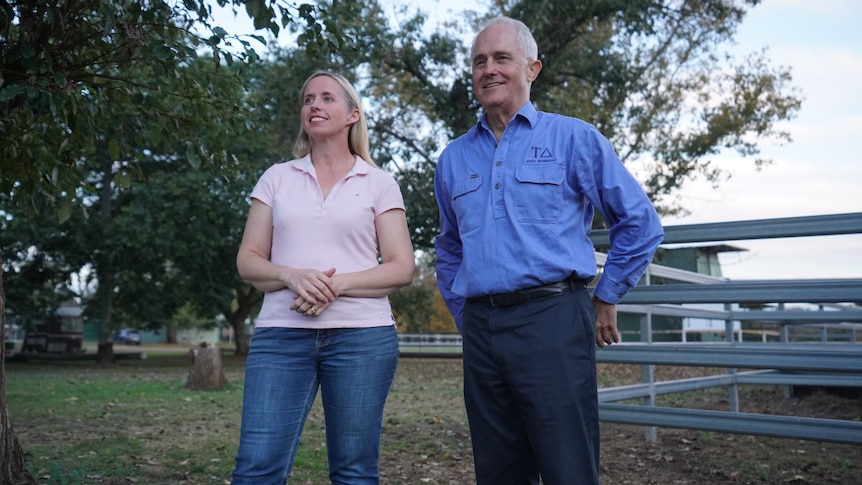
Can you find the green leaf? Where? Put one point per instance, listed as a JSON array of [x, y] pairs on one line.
[[163, 52], [65, 211], [59, 78], [10, 91], [192, 156], [156, 136], [114, 149], [123, 179], [27, 51]]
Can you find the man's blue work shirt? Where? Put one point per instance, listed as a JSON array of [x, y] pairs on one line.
[[518, 213]]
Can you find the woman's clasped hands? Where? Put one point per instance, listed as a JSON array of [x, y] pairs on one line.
[[315, 291]]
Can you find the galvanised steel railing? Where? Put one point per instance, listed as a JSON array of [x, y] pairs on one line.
[[823, 362]]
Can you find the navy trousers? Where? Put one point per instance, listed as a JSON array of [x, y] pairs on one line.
[[530, 391]]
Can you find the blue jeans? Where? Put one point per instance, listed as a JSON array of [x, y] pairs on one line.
[[353, 368]]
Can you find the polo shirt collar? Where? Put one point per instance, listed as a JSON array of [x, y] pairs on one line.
[[360, 166]]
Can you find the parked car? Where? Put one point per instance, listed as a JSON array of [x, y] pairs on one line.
[[127, 336]]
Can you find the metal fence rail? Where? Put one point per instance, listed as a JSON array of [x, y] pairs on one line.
[[770, 291], [788, 227], [823, 362], [778, 356], [816, 429], [820, 363]]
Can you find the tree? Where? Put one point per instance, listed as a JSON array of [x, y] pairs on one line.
[[422, 98], [168, 247], [69, 67], [12, 467], [35, 281], [185, 228], [413, 307], [57, 56], [651, 75], [168, 241]]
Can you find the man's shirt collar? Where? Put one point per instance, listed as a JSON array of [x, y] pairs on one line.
[[528, 112]]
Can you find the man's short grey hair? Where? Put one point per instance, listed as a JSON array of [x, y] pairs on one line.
[[525, 37]]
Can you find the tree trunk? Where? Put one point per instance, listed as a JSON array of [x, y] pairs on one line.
[[245, 302], [105, 274], [105, 347], [237, 323], [206, 372], [12, 468]]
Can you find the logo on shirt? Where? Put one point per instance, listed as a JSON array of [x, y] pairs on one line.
[[540, 155]]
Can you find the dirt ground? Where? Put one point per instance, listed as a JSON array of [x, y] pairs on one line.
[[677, 457], [426, 436]]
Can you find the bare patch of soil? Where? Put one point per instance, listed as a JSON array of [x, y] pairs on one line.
[[426, 436]]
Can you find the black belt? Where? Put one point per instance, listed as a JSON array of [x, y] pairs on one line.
[[528, 294]]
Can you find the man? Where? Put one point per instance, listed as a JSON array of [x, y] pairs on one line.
[[517, 195]]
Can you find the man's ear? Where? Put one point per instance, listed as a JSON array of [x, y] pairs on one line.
[[533, 69]]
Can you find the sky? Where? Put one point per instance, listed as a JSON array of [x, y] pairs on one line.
[[818, 173]]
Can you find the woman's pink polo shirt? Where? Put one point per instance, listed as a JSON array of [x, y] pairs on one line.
[[312, 232]]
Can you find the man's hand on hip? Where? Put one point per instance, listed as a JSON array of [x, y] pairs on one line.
[[606, 323]]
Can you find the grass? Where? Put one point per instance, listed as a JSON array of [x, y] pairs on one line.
[[134, 422], [130, 421]]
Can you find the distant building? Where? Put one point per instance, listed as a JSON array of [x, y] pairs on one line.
[[697, 259]]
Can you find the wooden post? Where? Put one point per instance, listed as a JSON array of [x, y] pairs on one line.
[[206, 372]]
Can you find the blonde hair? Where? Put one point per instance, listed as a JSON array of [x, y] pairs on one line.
[[357, 135]]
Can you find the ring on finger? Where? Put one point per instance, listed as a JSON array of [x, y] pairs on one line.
[[313, 311]]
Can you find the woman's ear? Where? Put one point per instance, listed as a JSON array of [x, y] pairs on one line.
[[354, 116]]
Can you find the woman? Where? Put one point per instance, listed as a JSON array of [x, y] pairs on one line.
[[327, 240]]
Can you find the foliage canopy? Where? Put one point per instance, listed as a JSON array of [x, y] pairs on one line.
[[67, 67]]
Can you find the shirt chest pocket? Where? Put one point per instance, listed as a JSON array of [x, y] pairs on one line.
[[538, 195], [467, 203]]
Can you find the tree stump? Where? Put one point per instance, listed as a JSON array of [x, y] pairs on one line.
[[206, 372]]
